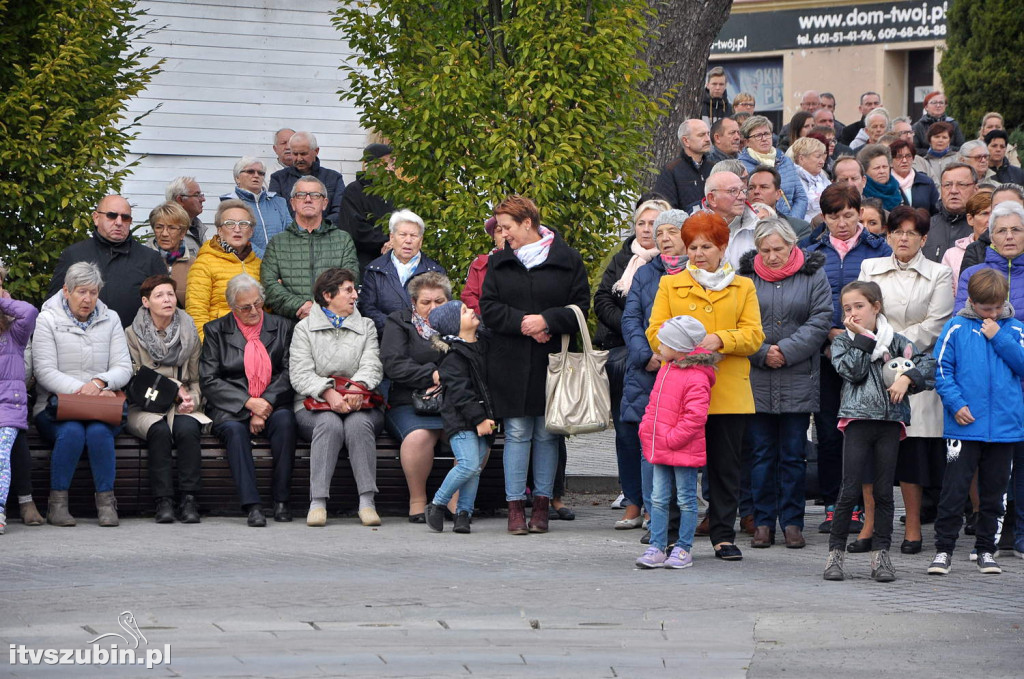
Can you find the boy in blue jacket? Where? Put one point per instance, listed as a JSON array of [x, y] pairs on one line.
[[980, 357]]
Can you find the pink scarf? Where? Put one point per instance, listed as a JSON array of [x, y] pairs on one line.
[[906, 183], [256, 359], [673, 264], [844, 246], [792, 265], [641, 256]]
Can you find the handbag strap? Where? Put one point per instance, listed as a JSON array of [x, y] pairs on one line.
[[584, 331]]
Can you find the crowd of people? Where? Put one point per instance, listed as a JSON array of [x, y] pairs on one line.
[[857, 275]]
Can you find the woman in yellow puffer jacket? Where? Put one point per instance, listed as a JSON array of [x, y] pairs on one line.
[[221, 258]]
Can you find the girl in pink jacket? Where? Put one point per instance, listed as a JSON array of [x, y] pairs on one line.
[[672, 435]]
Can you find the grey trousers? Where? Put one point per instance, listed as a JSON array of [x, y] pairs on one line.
[[328, 432]]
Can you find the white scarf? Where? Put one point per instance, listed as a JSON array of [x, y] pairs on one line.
[[763, 158], [713, 280], [641, 256], [536, 253], [882, 336]]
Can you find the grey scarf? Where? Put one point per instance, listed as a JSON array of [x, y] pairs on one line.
[[171, 347]]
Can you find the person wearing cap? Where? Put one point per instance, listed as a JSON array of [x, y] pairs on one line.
[[672, 435], [363, 212], [478, 269], [726, 304]]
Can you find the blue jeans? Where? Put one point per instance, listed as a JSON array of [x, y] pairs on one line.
[[778, 468], [470, 452], [629, 456], [520, 434], [69, 439], [686, 492]]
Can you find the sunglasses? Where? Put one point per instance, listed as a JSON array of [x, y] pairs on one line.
[[112, 216], [261, 173]]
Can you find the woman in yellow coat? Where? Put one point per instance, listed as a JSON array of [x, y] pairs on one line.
[[221, 258], [710, 291]]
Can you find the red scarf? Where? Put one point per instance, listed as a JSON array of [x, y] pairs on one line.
[[792, 265], [256, 360]]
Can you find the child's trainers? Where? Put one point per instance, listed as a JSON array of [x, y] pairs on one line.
[[826, 525], [652, 558], [856, 519], [987, 563], [680, 558]]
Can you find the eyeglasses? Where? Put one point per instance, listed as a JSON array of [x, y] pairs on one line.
[[733, 191], [261, 173], [1017, 231], [959, 185], [938, 102], [255, 306], [905, 234], [200, 194], [232, 225], [112, 216], [166, 227], [980, 156], [303, 195], [760, 135]]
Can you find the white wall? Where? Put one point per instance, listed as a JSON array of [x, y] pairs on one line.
[[234, 73]]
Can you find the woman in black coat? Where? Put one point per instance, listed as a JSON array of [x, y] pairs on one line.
[[609, 303], [527, 287], [246, 401]]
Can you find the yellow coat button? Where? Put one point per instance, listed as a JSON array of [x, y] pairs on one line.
[[693, 307], [709, 308]]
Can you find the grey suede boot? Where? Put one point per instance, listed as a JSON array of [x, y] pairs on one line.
[[57, 509], [106, 507]]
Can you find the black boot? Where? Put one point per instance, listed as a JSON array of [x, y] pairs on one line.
[[189, 510], [164, 510]]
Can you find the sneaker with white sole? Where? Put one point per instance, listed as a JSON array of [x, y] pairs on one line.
[[974, 554], [619, 502], [987, 564], [941, 564], [834, 566], [882, 569], [652, 558], [679, 558]]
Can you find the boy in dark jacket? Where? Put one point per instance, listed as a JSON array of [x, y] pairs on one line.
[[980, 356], [465, 410]]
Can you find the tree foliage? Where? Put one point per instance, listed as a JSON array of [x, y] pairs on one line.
[[982, 65], [65, 79], [485, 98]]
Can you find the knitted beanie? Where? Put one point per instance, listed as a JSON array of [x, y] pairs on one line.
[[447, 318]]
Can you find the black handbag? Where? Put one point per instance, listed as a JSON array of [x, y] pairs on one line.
[[151, 391], [427, 401]]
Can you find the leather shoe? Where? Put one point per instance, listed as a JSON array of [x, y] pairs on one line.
[[729, 552], [256, 518], [747, 524], [704, 527], [189, 509], [911, 547], [281, 512], [859, 546], [764, 537], [794, 538], [164, 510]]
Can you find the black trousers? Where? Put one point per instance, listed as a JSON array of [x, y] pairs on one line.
[[992, 460], [160, 439], [878, 443], [21, 468], [830, 439], [281, 431], [724, 434]]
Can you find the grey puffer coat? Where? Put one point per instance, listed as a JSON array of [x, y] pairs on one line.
[[796, 314]]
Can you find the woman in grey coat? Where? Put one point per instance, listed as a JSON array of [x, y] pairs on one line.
[[796, 312]]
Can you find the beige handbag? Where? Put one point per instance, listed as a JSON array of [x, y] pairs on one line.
[[578, 394]]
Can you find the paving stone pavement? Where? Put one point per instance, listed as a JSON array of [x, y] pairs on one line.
[[347, 601]]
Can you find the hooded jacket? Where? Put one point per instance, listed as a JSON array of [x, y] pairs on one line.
[[984, 375], [467, 400], [638, 381], [1013, 269], [714, 108], [271, 212], [794, 199], [672, 430], [796, 314], [208, 281], [13, 394]]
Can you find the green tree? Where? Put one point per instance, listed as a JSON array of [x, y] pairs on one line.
[[485, 98], [67, 74], [983, 60]]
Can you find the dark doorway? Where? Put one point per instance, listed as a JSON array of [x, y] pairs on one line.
[[920, 73]]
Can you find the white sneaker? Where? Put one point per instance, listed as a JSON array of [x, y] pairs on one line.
[[618, 502]]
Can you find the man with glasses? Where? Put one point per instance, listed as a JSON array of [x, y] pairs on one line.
[[681, 183], [298, 255], [934, 112], [123, 261], [727, 197], [959, 182], [306, 162], [185, 191]]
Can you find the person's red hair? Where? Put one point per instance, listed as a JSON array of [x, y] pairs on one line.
[[707, 224], [520, 208]]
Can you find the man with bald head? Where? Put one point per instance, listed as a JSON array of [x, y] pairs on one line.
[[681, 183], [124, 261]]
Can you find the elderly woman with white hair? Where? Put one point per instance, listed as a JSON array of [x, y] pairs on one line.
[[876, 123], [795, 298], [386, 280], [975, 153], [79, 347], [269, 209], [810, 155], [243, 373]]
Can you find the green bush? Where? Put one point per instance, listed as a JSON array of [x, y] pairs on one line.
[[482, 99], [981, 68], [67, 74]]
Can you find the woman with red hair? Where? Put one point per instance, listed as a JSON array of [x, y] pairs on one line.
[[726, 304]]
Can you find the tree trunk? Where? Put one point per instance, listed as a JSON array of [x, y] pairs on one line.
[[682, 32]]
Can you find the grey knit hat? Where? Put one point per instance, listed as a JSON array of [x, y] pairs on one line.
[[447, 318], [673, 217], [682, 333]]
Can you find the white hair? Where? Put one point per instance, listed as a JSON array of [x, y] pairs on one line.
[[399, 216], [658, 205], [970, 146], [307, 179], [1009, 208], [178, 187], [304, 136], [239, 284], [878, 112], [83, 275], [774, 225], [246, 161]]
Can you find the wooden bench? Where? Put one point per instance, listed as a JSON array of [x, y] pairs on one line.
[[218, 497]]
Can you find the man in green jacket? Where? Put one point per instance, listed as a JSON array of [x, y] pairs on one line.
[[308, 247]]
